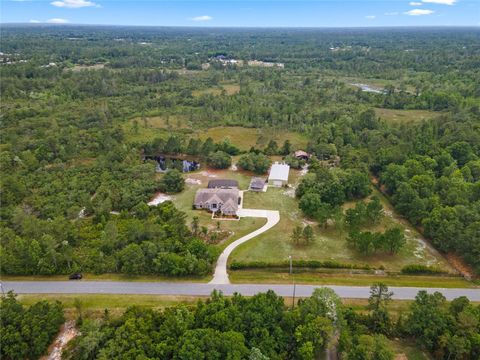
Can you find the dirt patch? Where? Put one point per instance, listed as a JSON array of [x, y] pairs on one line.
[[460, 265], [67, 332], [290, 192], [158, 199], [87, 67], [192, 181], [208, 174]]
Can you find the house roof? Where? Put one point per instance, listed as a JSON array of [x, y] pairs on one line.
[[217, 195], [222, 183], [301, 153], [257, 183], [279, 172]]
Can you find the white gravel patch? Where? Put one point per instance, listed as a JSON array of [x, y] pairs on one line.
[[67, 333], [158, 199], [207, 174], [192, 181]]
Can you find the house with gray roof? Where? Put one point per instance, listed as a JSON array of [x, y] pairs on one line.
[[257, 184], [223, 183], [223, 200]]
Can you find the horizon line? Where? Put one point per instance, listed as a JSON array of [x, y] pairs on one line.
[[43, 24]]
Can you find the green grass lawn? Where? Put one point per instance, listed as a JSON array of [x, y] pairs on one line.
[[230, 89], [275, 276], [93, 305], [408, 348], [245, 138], [397, 116], [106, 277], [329, 243]]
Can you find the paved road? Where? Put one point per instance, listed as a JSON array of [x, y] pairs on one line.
[[199, 289], [273, 217]]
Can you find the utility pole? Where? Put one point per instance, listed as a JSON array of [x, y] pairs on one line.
[[293, 301], [293, 279]]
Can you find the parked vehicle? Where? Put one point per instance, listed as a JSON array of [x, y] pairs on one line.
[[76, 276]]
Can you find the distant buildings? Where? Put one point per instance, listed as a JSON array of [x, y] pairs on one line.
[[302, 155], [225, 60], [278, 175]]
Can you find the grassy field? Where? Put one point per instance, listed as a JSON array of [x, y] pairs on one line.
[[106, 277], [230, 89], [329, 243], [405, 349], [245, 138], [93, 305], [275, 276], [397, 116], [151, 127]]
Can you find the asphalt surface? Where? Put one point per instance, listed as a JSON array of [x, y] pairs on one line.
[[202, 289], [273, 217]]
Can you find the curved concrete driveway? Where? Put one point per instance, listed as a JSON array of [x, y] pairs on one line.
[[273, 217]]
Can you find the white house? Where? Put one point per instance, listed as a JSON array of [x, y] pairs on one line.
[[278, 174]]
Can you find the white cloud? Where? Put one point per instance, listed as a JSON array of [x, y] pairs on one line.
[[442, 2], [202, 18], [370, 17], [391, 13], [415, 3], [419, 12], [73, 4], [57, 21], [34, 21]]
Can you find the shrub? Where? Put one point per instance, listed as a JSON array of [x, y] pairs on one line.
[[312, 264], [172, 182], [258, 163], [219, 160], [421, 269]]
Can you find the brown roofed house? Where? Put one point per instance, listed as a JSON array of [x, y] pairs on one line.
[[220, 200], [302, 155]]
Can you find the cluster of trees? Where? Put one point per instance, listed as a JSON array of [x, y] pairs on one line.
[[260, 327], [364, 214], [26, 333], [256, 162], [149, 240], [172, 182], [176, 144], [392, 240], [322, 191], [304, 234], [219, 160], [440, 191], [446, 330]]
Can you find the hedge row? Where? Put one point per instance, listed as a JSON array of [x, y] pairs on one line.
[[313, 264], [421, 269]]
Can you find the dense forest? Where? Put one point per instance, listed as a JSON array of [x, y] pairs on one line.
[[260, 327], [74, 185]]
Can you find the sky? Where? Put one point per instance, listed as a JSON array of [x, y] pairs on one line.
[[245, 13]]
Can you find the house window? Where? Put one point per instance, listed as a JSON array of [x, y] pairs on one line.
[[214, 206]]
